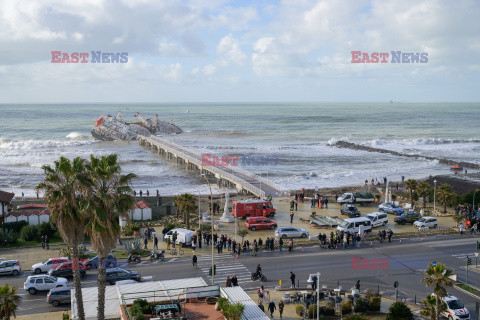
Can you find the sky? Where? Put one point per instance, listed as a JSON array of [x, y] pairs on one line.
[[219, 50]]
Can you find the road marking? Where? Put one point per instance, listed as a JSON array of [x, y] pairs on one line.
[[147, 278], [227, 266], [172, 260]]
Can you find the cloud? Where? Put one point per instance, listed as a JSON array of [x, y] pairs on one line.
[[229, 51]]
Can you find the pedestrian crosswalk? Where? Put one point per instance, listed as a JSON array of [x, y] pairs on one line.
[[226, 266], [463, 256]]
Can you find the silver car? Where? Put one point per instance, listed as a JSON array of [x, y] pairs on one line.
[[290, 232]]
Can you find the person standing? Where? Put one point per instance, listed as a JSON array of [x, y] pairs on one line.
[[155, 242], [141, 193], [461, 229], [390, 234], [280, 244], [291, 217], [228, 283], [234, 280], [281, 305], [168, 243], [38, 194], [326, 203], [47, 241], [43, 242], [296, 205], [292, 279], [271, 308], [314, 283], [145, 242], [194, 261]]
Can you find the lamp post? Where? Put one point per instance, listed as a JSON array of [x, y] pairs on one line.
[[473, 203], [211, 220], [434, 193], [199, 213]]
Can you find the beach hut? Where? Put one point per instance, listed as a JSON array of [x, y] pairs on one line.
[[5, 199], [33, 213], [141, 211]]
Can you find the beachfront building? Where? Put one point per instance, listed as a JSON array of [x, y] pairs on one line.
[[5, 199], [33, 213], [141, 211]]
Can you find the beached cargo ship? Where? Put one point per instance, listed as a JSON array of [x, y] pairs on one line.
[[109, 128]]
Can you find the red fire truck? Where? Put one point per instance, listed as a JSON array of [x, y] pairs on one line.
[[253, 208]]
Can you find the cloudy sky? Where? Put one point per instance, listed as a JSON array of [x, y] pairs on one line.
[[219, 50]]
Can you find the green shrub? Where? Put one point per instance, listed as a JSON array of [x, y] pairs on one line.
[[15, 226], [356, 316], [8, 236], [361, 305], [374, 303], [233, 311], [136, 312], [133, 247], [299, 309], [142, 304], [346, 307], [30, 233], [47, 228], [327, 311], [399, 311], [222, 302], [312, 311]]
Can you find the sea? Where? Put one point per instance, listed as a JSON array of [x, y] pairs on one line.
[[288, 142]]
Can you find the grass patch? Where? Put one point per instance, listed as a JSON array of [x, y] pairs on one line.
[[21, 243], [124, 254], [468, 288]]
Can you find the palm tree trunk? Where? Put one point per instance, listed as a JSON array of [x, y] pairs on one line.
[[437, 308], [101, 289], [424, 202], [77, 283], [187, 219], [445, 207]]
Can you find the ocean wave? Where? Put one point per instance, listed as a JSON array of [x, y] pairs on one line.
[[417, 142], [40, 144], [77, 136]]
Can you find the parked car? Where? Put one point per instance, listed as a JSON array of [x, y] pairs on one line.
[[391, 208], [407, 217], [65, 270], [10, 267], [355, 225], [290, 232], [48, 264], [350, 210], [378, 218], [60, 295], [426, 222], [117, 274], [254, 223], [94, 263], [43, 282], [455, 308]]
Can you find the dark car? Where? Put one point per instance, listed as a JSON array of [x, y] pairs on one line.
[[407, 217], [117, 274], [350, 210], [60, 295], [110, 262], [65, 270]]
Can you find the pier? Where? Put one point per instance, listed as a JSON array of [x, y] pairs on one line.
[[227, 176]]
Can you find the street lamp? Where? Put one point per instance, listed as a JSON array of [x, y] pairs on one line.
[[199, 213], [434, 193], [211, 218]]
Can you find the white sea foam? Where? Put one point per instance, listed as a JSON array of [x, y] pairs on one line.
[[76, 136], [39, 144]]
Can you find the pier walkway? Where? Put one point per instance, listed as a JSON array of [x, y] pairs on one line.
[[230, 176]]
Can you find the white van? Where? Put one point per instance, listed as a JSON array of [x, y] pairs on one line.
[[353, 225], [378, 218], [184, 236]]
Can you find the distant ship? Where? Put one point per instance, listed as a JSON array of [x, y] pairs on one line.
[[108, 128]]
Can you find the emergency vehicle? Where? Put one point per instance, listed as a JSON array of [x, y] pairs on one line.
[[253, 208]]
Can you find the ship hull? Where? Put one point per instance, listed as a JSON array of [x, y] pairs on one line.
[[100, 137]]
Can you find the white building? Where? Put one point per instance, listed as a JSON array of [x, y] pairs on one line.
[[33, 213]]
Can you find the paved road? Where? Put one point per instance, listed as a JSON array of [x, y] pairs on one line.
[[406, 263]]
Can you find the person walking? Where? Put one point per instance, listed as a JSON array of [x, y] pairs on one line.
[[271, 308], [47, 241], [292, 279], [155, 242], [194, 261], [291, 216], [145, 242], [281, 305], [296, 205], [461, 229], [234, 281], [280, 244], [43, 242], [228, 283], [390, 234]]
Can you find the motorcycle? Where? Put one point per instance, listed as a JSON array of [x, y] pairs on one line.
[[157, 255], [134, 259], [259, 275]]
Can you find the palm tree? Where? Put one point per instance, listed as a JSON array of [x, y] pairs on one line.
[[439, 278], [444, 195], [9, 301], [185, 204], [64, 192], [423, 191], [429, 306], [110, 197], [411, 185]]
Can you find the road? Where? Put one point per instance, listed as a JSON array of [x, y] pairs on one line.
[[404, 263]]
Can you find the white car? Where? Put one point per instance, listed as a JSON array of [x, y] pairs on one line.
[[290, 232], [10, 267], [455, 309], [426, 222], [43, 283], [45, 266]]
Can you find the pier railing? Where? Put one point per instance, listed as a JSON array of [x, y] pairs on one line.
[[233, 174]]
